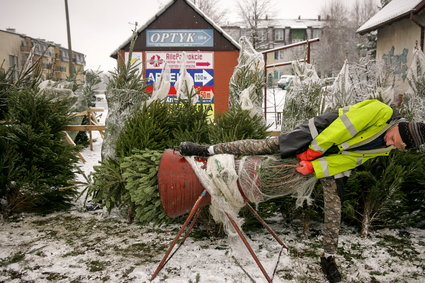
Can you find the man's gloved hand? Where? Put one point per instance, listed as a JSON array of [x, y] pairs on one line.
[[309, 154], [305, 167]]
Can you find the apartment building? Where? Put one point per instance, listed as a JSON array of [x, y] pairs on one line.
[[17, 50], [273, 33]]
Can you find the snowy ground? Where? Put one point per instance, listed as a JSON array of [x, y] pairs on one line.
[[275, 102], [91, 246]]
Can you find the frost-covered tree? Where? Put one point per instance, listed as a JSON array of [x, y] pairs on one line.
[[414, 100], [247, 82], [339, 41], [304, 97], [211, 8], [385, 2], [252, 12]]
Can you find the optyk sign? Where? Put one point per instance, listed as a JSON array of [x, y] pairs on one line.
[[180, 37]]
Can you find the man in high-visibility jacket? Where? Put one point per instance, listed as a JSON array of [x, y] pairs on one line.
[[330, 146]]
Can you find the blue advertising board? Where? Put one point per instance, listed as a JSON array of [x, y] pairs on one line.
[[179, 38], [201, 77]]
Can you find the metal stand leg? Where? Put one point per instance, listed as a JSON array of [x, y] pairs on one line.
[[173, 243], [268, 228], [194, 213], [247, 245]]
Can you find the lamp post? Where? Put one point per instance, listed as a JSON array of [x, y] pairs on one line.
[[70, 54]]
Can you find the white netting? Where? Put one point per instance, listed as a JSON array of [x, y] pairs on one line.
[[248, 76], [414, 101], [220, 180], [260, 178], [342, 89], [303, 99], [247, 103], [185, 85], [267, 176], [161, 87], [304, 73]]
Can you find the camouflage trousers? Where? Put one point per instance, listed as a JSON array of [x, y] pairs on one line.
[[332, 211], [269, 145], [332, 202]]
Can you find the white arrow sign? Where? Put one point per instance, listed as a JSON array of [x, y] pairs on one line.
[[203, 77]]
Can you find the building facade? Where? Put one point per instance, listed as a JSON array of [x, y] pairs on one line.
[[181, 35], [274, 33], [18, 50], [400, 27]]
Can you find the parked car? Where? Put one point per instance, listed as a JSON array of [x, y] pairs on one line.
[[328, 81], [327, 84], [284, 81]]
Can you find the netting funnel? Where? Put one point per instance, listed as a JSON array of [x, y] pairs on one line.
[[179, 187]]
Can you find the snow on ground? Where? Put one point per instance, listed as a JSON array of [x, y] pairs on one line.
[[92, 246], [275, 100]]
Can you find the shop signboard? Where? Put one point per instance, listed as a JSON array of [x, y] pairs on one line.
[[179, 38], [199, 64]]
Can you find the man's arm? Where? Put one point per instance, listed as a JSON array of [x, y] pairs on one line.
[[359, 116]]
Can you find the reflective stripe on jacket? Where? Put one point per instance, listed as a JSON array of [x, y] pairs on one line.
[[356, 125]]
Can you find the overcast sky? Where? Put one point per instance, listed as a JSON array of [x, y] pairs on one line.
[[98, 27]]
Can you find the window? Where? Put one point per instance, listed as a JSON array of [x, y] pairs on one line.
[[278, 34], [13, 65], [13, 61], [278, 55], [317, 33], [297, 35]]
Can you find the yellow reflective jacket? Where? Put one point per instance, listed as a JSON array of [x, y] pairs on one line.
[[356, 125]]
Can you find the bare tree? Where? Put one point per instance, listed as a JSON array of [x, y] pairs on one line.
[[211, 8], [384, 2], [363, 10], [339, 39], [253, 12]]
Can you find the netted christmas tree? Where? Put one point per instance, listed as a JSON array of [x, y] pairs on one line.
[[247, 82], [125, 95], [413, 106], [304, 98]]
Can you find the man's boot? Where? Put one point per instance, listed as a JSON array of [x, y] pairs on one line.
[[190, 148], [330, 269]]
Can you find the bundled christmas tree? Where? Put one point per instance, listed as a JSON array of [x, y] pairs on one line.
[[36, 165], [413, 106], [304, 97], [247, 82]]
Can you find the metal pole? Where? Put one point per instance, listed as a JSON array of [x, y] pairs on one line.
[[268, 228], [265, 87], [173, 243], [308, 52], [251, 251], [68, 29]]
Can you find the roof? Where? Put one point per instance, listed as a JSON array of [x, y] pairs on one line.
[[392, 12], [39, 41], [160, 12], [283, 23]]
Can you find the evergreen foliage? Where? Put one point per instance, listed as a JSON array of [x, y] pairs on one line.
[[249, 72], [108, 185], [147, 129], [159, 126], [37, 167], [237, 124], [381, 191], [302, 103], [140, 171]]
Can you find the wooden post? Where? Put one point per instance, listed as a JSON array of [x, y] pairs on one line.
[[90, 132], [71, 142]]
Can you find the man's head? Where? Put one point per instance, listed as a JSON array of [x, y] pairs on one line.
[[406, 135]]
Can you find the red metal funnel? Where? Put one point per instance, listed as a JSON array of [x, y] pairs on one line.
[[179, 187]]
